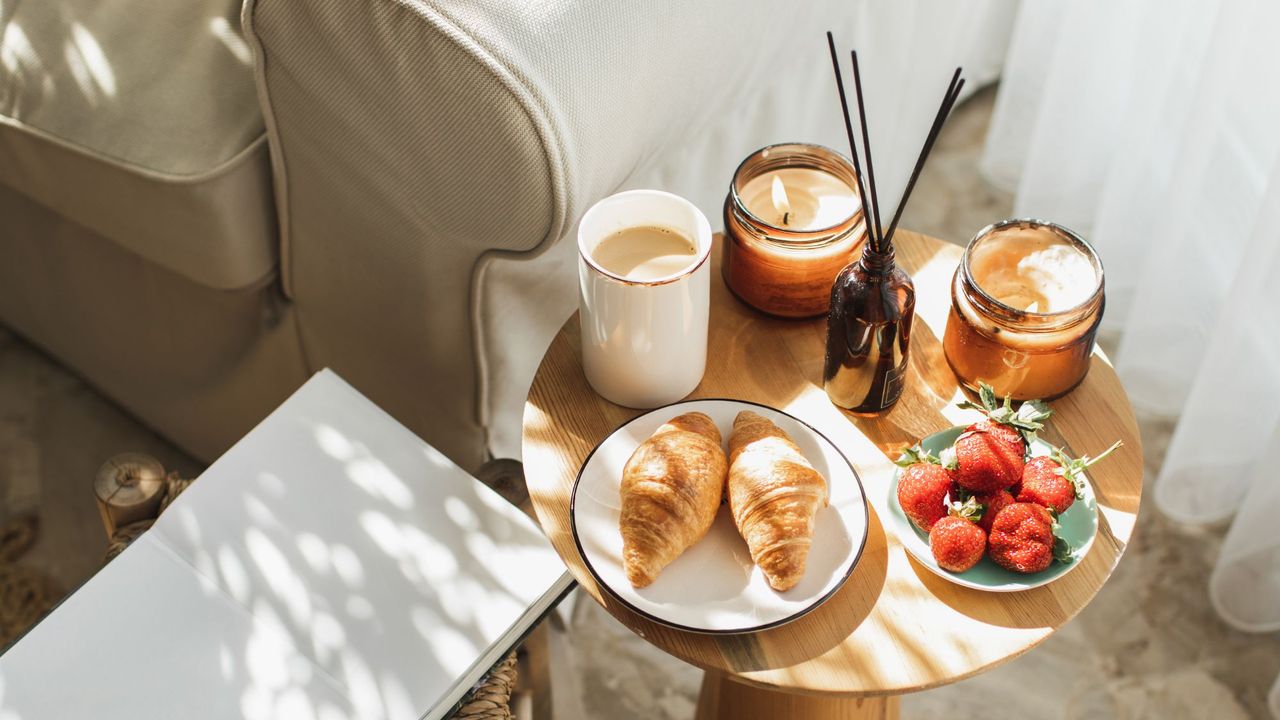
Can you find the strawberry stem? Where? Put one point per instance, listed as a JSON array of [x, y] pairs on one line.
[[1072, 467], [1104, 453]]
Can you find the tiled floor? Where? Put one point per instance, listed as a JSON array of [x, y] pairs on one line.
[[1148, 646]]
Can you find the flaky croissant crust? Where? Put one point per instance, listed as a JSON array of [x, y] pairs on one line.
[[774, 494], [671, 489]]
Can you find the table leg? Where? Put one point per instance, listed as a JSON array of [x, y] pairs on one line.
[[724, 698]]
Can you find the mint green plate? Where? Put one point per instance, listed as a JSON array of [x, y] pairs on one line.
[[1078, 526]]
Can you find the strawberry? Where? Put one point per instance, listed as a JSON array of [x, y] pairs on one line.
[[990, 454], [993, 503], [923, 487], [1023, 539], [1056, 481], [1044, 485], [989, 457], [957, 543]]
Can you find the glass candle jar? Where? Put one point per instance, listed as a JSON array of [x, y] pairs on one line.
[[792, 221], [1026, 302]]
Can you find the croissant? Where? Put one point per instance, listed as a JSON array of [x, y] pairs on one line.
[[774, 494], [671, 490]]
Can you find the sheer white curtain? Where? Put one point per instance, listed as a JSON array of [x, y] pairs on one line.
[[1154, 128]]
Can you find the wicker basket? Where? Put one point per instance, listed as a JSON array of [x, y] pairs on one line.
[[490, 699], [26, 593]]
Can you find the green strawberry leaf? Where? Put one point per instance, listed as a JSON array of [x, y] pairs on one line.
[[1062, 551], [1028, 418], [987, 395], [915, 455], [1034, 413], [1059, 456], [970, 509]]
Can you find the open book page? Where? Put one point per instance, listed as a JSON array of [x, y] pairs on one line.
[[148, 638]]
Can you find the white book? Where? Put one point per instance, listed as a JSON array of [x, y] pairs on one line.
[[330, 565]]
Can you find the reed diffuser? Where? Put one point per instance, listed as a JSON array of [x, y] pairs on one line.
[[872, 300]]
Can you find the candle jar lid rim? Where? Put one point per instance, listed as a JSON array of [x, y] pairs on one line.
[[816, 150], [1066, 233]]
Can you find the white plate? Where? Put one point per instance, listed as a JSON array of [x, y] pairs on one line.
[[714, 587]]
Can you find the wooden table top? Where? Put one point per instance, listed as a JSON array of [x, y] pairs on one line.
[[894, 627]]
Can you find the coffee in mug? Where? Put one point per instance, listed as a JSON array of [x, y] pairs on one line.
[[646, 252]]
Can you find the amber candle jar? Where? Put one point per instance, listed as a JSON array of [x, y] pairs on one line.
[[792, 221], [1026, 302]]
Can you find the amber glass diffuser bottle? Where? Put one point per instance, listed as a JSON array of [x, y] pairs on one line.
[[872, 300], [868, 333]]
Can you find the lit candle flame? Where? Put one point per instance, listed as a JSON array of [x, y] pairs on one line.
[[780, 201]]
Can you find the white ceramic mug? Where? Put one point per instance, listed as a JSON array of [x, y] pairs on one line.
[[644, 342]]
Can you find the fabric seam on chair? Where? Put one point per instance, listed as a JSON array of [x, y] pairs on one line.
[[222, 168], [279, 176], [275, 153], [256, 283]]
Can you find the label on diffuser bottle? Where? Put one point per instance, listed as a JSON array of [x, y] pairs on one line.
[[893, 382]]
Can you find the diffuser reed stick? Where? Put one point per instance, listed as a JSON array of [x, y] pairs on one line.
[[848, 128]]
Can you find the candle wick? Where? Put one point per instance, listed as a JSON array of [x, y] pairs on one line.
[[786, 217]]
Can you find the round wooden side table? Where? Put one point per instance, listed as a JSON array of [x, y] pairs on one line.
[[894, 627]]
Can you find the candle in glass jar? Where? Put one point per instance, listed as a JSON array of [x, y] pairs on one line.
[[792, 222], [1026, 303], [799, 199]]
